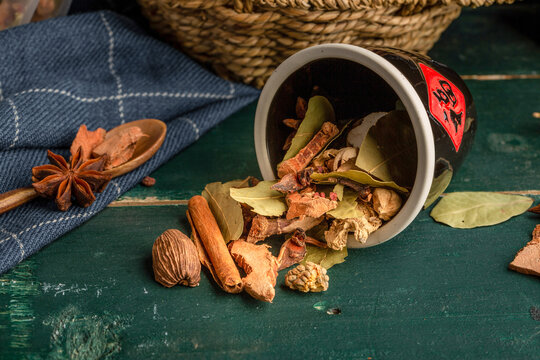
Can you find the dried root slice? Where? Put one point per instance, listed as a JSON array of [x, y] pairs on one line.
[[263, 227], [119, 147], [310, 204], [260, 268], [386, 203], [293, 250], [87, 141], [336, 237], [304, 156], [309, 277], [527, 260], [294, 181]]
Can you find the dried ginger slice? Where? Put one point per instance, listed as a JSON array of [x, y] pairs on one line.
[[119, 147], [310, 204], [260, 268], [527, 260], [336, 237], [87, 141]]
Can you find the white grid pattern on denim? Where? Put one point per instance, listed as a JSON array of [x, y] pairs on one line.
[[118, 188], [16, 238], [16, 120], [195, 127], [111, 66]]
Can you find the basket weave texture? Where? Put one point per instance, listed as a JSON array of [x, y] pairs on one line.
[[245, 40]]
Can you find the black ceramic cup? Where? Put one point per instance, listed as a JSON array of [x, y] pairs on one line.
[[439, 105]]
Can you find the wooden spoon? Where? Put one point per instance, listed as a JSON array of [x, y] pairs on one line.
[[145, 148]]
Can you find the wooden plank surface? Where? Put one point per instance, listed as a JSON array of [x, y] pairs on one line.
[[432, 292]]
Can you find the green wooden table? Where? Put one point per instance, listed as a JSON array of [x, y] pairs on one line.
[[432, 292]]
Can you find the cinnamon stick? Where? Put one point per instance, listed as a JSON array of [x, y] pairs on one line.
[[214, 244]]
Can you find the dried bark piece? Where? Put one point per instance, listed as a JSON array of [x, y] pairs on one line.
[[293, 250], [294, 181], [535, 209], [386, 203], [336, 237], [260, 268], [304, 156], [309, 277], [175, 260], [310, 204], [148, 181], [527, 260], [263, 227], [119, 147], [292, 123], [301, 107], [87, 141]]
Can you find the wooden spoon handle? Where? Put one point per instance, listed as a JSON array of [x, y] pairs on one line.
[[17, 197]]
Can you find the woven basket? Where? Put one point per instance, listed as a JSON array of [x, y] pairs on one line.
[[245, 40]]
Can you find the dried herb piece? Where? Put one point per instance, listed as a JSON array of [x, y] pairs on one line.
[[175, 260], [467, 210], [294, 181], [358, 133], [263, 227], [261, 198], [358, 176], [348, 207], [292, 123], [535, 209], [148, 181], [310, 204], [440, 183], [227, 211], [319, 110], [306, 154], [87, 141], [301, 107], [325, 257], [338, 190], [308, 277], [63, 181], [527, 260], [119, 147], [338, 234], [386, 203], [293, 250], [345, 159], [260, 268]]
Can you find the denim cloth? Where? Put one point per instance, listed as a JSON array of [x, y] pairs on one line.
[[98, 69]]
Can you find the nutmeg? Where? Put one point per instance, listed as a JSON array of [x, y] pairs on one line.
[[175, 260]]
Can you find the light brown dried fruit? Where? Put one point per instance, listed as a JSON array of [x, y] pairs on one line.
[[175, 260], [309, 277], [119, 147], [310, 204], [260, 268], [527, 260], [386, 203], [87, 141], [263, 227], [293, 250], [304, 156]]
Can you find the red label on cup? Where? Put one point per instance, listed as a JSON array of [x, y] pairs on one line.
[[446, 104]]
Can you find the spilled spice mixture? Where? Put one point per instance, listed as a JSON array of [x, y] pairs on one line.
[[333, 188]]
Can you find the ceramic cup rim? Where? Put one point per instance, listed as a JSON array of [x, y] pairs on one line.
[[404, 90]]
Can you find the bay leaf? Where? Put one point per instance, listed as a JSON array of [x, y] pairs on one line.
[[324, 257], [440, 183], [348, 207], [338, 189], [467, 210], [319, 111], [389, 150], [226, 210], [360, 177], [261, 198]]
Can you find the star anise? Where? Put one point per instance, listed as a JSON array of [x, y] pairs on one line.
[[63, 181]]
